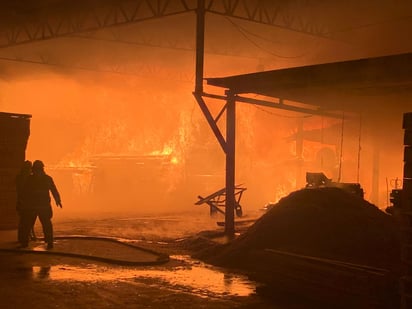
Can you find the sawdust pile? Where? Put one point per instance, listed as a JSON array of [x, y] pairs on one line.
[[326, 222]]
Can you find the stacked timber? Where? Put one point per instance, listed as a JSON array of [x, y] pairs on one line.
[[406, 215], [14, 134]]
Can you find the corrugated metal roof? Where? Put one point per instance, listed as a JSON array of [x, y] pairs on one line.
[[352, 85]]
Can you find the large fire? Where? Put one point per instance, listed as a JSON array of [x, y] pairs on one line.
[[153, 145]]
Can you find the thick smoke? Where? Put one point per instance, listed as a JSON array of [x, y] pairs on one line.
[[118, 128]]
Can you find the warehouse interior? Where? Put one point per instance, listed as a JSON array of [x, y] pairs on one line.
[[109, 87]]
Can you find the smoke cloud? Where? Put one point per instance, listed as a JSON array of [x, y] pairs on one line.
[[117, 127]]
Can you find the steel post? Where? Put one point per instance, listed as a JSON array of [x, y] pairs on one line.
[[230, 165]]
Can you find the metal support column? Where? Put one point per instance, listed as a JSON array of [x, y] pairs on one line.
[[228, 146], [200, 45], [230, 164]]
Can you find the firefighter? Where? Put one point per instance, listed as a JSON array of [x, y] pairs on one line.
[[37, 189]]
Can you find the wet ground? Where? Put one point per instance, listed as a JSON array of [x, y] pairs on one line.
[[32, 280]]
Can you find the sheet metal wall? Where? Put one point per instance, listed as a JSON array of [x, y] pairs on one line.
[[14, 135]]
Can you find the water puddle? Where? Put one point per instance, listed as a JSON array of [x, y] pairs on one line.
[[194, 277]]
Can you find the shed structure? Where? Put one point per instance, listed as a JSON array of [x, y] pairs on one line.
[[371, 86]]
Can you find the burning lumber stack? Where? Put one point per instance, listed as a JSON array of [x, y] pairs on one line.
[[14, 134]]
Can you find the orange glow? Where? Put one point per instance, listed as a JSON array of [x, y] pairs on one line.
[[78, 118], [202, 280], [174, 160]]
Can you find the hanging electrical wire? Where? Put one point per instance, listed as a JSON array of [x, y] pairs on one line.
[[245, 35], [372, 24]]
